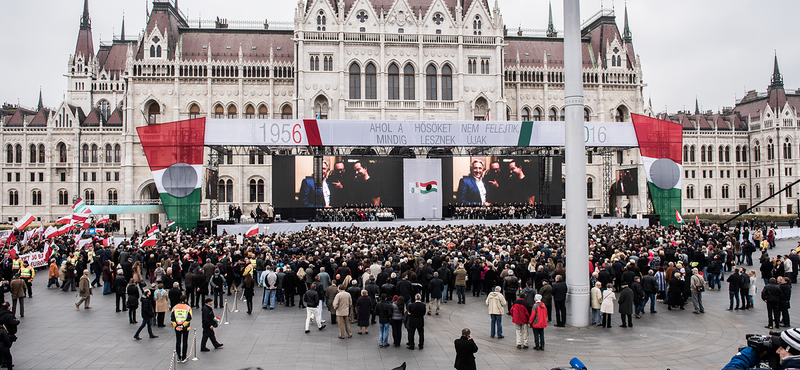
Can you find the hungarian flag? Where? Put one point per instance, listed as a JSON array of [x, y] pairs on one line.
[[174, 153], [696, 221], [678, 217], [64, 229], [78, 236], [619, 212], [660, 143], [171, 223], [84, 243], [428, 187], [252, 231], [24, 222], [80, 207], [64, 220], [149, 242], [79, 218], [153, 230], [51, 232], [103, 220], [108, 241]]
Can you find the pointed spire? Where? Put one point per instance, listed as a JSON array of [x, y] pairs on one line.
[[122, 35], [551, 30], [696, 106], [85, 20], [777, 79], [41, 104], [626, 34]]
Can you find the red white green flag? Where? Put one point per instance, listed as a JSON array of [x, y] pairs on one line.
[[678, 217], [660, 144]]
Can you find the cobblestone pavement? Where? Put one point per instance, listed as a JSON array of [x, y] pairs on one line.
[[54, 335]]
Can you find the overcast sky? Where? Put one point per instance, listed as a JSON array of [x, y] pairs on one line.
[[712, 49]]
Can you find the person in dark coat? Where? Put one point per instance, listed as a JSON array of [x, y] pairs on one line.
[[289, 287], [638, 297], [120, 284], [675, 292], [201, 288], [175, 294], [148, 313], [465, 351], [560, 300], [208, 326], [734, 282], [625, 301], [133, 300], [6, 360], [416, 321], [363, 309], [249, 285]]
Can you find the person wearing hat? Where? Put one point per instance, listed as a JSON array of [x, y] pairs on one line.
[[538, 321], [789, 353], [148, 313], [209, 323]]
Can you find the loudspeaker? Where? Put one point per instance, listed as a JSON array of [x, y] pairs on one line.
[[318, 173], [596, 217]]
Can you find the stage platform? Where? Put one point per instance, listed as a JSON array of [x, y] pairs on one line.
[[287, 227]]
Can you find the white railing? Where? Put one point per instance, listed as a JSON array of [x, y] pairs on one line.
[[433, 104], [401, 37], [321, 36], [361, 36], [402, 104]]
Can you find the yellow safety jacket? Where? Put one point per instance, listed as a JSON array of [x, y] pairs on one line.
[[26, 272], [16, 264], [181, 315]]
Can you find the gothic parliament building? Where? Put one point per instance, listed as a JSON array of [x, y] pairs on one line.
[[364, 60]]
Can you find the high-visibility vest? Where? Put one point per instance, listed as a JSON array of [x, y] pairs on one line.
[[16, 264], [181, 312], [253, 262], [25, 272]]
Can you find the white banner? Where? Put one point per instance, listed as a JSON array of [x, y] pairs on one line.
[[422, 196], [36, 259]]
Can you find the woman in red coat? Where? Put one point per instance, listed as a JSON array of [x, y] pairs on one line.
[[538, 323]]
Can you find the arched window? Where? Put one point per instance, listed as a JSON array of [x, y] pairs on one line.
[[721, 154], [738, 153], [94, 153], [262, 111], [158, 51], [63, 197], [757, 152], [703, 153], [728, 153], [758, 191], [744, 153], [32, 155], [256, 191], [710, 153], [194, 111], [589, 188], [707, 192], [553, 115], [690, 192], [787, 149], [562, 116], [41, 153], [408, 82], [232, 112], [691, 153], [430, 83], [586, 115], [726, 192], [36, 197], [742, 191], [225, 191], [355, 81], [105, 109], [18, 153], [771, 189], [370, 82], [447, 83], [112, 196], [85, 153], [321, 21], [393, 83], [88, 196], [109, 153], [476, 25], [62, 152], [621, 114], [117, 153], [537, 114], [153, 111], [686, 153], [249, 112], [526, 114], [152, 51], [286, 112], [9, 154], [13, 198], [219, 112], [481, 109]]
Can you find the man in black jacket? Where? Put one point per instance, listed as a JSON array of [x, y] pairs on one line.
[[772, 295], [786, 297], [560, 300], [384, 311], [208, 326], [416, 321], [120, 285], [650, 287], [638, 297], [465, 351], [148, 313], [734, 282], [311, 301], [435, 290]]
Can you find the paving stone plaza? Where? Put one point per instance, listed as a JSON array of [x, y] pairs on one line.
[[54, 335]]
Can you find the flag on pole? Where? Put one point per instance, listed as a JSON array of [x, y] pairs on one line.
[[80, 217], [64, 220], [108, 241], [149, 242], [171, 223], [696, 221], [64, 229], [678, 216], [661, 145], [619, 212], [51, 232], [103, 220], [153, 230], [80, 207], [84, 243], [24, 221], [78, 236], [252, 231]]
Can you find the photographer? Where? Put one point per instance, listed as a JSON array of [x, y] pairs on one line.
[[777, 351]]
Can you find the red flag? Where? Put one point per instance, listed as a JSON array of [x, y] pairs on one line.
[[103, 220], [64, 220], [51, 232], [252, 231], [24, 222], [152, 230], [151, 241], [696, 221], [678, 216]]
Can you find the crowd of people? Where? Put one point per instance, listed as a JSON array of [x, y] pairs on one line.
[[494, 212], [354, 213], [395, 276]]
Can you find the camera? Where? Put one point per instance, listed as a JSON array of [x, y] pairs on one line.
[[766, 347]]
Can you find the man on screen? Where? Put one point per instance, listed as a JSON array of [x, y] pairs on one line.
[[313, 197], [471, 189], [367, 190], [493, 181], [336, 183], [520, 187]]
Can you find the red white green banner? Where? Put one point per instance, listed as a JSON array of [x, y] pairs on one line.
[[660, 145]]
